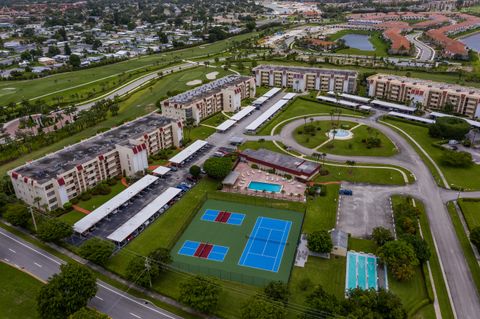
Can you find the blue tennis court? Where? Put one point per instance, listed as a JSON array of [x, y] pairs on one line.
[[212, 215], [266, 244], [203, 250]]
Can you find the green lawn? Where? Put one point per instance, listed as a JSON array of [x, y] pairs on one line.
[[456, 177], [354, 146], [32, 88], [18, 293], [215, 120], [362, 245], [301, 107], [471, 212], [98, 200], [465, 243], [319, 136], [322, 211], [71, 217], [379, 176], [328, 273], [413, 294]]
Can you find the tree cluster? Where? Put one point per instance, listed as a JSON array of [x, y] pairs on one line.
[[449, 128], [200, 293], [97, 250], [359, 304], [218, 167], [144, 271], [66, 292], [320, 242]]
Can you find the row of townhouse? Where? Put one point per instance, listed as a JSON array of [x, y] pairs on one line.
[[451, 47], [431, 95], [225, 94], [53, 180], [302, 79]]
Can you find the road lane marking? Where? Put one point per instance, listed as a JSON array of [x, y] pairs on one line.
[[27, 246], [136, 316], [38, 265], [99, 298], [163, 313], [13, 251]]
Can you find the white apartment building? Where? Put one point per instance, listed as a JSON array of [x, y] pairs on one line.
[[304, 78], [427, 94], [53, 180], [224, 94]]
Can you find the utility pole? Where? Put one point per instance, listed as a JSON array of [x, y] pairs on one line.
[[147, 267], [33, 218]]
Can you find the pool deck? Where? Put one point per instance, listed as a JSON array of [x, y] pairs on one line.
[[291, 189]]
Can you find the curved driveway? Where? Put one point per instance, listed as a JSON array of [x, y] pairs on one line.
[[458, 277]]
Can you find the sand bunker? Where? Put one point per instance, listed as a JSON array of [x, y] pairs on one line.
[[212, 75], [194, 82]]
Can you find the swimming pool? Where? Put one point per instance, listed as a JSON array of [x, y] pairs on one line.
[[361, 271], [268, 187], [340, 134]]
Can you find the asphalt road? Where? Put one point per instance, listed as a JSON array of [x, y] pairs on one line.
[[458, 277], [43, 265], [135, 84], [425, 52]]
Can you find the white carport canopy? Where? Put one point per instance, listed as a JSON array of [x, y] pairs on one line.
[[266, 115], [188, 151], [411, 117], [242, 113], [161, 170], [114, 203], [142, 216], [225, 125], [393, 106], [271, 93], [472, 123]]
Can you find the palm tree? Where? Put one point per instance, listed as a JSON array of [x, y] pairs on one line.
[[37, 200]]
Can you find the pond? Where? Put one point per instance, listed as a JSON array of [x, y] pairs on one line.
[[358, 41], [472, 41]]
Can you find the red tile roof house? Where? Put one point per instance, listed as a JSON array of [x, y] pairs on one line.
[[453, 48]]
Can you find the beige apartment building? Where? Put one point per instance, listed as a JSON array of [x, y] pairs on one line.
[[225, 94], [425, 94], [55, 179], [302, 79]]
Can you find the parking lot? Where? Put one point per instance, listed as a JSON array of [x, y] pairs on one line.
[[367, 208]]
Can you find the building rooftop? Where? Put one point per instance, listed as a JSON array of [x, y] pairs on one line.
[[50, 166], [207, 89], [428, 83], [301, 69], [282, 161]]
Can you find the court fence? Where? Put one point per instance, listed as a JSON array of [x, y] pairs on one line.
[[257, 201], [222, 274]]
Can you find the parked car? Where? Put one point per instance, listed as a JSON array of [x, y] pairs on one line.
[[347, 192]]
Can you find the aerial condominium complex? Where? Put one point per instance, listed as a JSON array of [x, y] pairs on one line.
[[53, 180], [225, 94], [427, 94], [303, 78]]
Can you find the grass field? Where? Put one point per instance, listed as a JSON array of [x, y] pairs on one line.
[[235, 238], [33, 88], [71, 217], [466, 246], [300, 107], [354, 146], [18, 293], [471, 212], [322, 211], [456, 177], [98, 200]]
